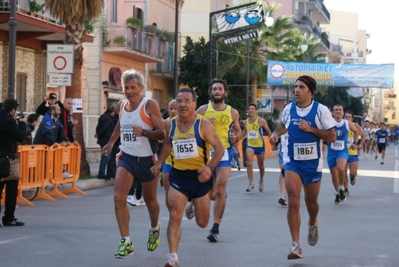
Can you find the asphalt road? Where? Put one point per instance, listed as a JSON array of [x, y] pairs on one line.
[[82, 231]]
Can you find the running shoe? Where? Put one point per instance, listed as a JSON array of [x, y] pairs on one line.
[[295, 252], [213, 236], [376, 157], [13, 222], [153, 239], [342, 195], [346, 192], [67, 175], [250, 188], [282, 201], [261, 185], [337, 200], [353, 180], [382, 162], [140, 202], [172, 261], [131, 200], [190, 211], [125, 249], [313, 235]]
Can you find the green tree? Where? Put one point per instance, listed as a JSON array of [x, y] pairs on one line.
[[74, 14], [194, 68]]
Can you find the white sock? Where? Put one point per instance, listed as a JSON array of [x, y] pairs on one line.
[[127, 238], [152, 229]]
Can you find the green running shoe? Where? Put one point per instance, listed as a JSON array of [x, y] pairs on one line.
[[125, 249], [153, 239]]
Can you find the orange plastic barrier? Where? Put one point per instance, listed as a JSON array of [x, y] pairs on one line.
[[268, 149], [65, 159], [33, 171]]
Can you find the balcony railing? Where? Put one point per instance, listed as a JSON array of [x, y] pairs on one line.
[[337, 48], [22, 7], [134, 39], [390, 95], [321, 6], [390, 108]]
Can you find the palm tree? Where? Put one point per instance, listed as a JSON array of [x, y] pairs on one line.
[[74, 13]]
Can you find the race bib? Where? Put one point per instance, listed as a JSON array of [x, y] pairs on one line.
[[305, 151], [338, 145], [381, 140], [225, 155], [253, 134], [128, 138], [185, 149]]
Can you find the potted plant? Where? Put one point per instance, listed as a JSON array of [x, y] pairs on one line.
[[135, 22], [119, 40], [151, 29], [168, 36], [34, 6]]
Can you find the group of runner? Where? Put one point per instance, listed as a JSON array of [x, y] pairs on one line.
[[197, 154]]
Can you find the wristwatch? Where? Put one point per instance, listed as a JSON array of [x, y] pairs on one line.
[[211, 167], [144, 132]]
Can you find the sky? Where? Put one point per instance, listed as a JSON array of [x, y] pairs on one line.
[[378, 19]]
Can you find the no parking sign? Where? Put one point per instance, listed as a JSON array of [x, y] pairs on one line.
[[59, 58]]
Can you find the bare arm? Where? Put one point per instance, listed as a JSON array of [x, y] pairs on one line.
[[236, 127], [209, 134], [355, 131], [158, 132], [265, 127], [362, 134], [165, 151], [243, 132], [280, 130]]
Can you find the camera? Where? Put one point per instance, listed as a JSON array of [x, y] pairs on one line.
[[20, 115]]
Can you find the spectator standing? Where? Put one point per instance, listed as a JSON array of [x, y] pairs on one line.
[[43, 108], [30, 127], [67, 120], [105, 128], [51, 132], [10, 134]]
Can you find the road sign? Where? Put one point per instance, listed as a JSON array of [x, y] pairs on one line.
[[59, 79], [59, 58]]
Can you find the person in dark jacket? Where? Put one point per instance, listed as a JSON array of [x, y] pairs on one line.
[[10, 134], [43, 108], [105, 128], [30, 127], [67, 120], [50, 130]]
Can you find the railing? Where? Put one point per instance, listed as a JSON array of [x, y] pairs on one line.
[[22, 7], [390, 95], [167, 66], [320, 5], [134, 39], [337, 48]]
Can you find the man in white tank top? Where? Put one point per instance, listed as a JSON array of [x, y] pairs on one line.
[[139, 128]]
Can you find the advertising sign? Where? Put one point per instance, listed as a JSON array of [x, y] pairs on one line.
[[239, 18], [281, 73], [264, 100]]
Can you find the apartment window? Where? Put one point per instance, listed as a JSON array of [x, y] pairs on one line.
[[21, 90], [114, 11], [137, 12], [394, 116]]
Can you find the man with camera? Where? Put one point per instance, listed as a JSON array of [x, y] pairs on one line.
[[11, 132]]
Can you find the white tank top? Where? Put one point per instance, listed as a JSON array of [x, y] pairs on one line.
[[131, 144]]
